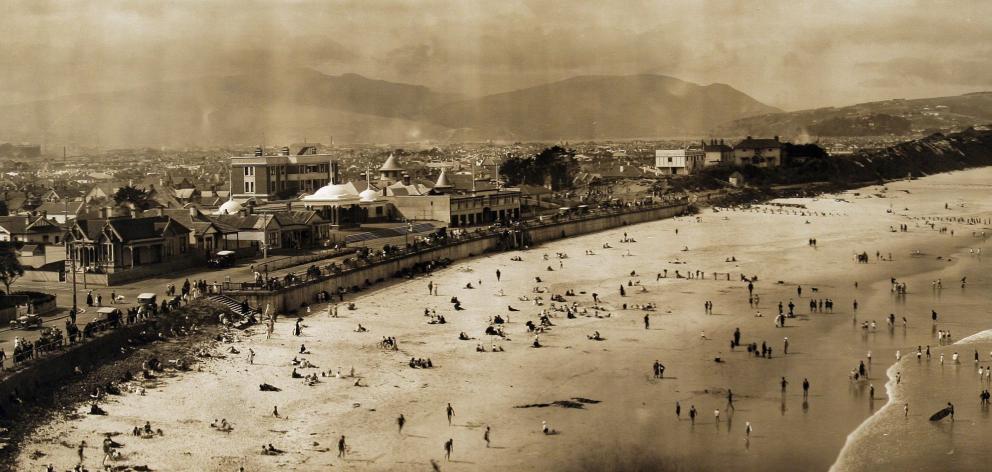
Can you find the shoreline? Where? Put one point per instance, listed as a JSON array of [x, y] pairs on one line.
[[399, 389]]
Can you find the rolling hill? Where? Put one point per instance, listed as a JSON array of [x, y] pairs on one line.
[[595, 107], [302, 103], [889, 117], [244, 108]]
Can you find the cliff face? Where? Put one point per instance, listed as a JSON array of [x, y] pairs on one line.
[[929, 155], [932, 154]]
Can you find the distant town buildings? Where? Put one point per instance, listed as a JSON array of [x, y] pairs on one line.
[[678, 161], [274, 177], [758, 152], [716, 153]]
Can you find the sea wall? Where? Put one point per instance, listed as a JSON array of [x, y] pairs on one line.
[[44, 373], [295, 297]]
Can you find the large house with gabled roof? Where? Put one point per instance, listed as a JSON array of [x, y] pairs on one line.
[[110, 245]]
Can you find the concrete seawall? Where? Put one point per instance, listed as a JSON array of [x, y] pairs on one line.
[[295, 297]]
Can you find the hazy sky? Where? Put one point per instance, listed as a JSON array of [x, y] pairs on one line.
[[792, 54]]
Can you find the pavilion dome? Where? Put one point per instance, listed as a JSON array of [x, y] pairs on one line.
[[229, 207], [368, 195], [334, 192]]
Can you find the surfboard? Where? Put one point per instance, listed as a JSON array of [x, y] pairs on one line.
[[940, 414]]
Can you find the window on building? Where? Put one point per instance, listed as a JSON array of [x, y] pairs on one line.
[[249, 187], [249, 171]]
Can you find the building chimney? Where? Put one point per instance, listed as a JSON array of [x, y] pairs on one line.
[[335, 175], [776, 137], [44, 214], [193, 213], [749, 137], [259, 152], [406, 179], [284, 151], [135, 212], [105, 212]]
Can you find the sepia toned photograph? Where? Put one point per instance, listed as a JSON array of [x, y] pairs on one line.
[[520, 235]]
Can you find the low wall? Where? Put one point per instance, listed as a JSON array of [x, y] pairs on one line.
[[294, 297], [42, 375]]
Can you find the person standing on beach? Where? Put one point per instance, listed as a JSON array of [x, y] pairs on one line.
[[400, 422], [692, 414], [498, 275], [678, 409], [647, 323], [805, 388], [430, 287], [784, 383], [485, 436], [342, 447], [451, 413], [785, 347], [747, 429], [449, 446], [251, 356], [730, 399]]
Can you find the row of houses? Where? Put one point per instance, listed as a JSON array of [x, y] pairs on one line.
[[758, 152]]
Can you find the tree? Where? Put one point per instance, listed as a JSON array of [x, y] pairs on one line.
[[132, 195], [10, 266], [554, 165]]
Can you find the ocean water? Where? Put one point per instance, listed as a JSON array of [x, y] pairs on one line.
[[891, 439]]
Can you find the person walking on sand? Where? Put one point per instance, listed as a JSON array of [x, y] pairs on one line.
[[498, 274], [275, 411], [342, 447], [747, 429], [400, 422], [692, 414], [730, 399], [451, 413], [805, 388], [251, 356], [784, 384], [81, 451], [647, 321], [485, 436], [430, 287], [449, 446]]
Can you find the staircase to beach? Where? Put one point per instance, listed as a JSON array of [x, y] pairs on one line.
[[233, 305]]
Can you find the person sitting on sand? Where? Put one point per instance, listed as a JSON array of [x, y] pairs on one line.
[[96, 410], [537, 341], [268, 388], [361, 329], [595, 336]]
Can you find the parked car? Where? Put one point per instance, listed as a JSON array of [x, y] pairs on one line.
[[26, 322], [221, 260]]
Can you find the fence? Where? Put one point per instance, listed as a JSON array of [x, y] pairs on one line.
[[316, 274]]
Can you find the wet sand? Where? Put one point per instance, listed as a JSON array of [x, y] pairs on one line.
[[635, 417]]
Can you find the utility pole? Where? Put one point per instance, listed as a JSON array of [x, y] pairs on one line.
[[72, 253]]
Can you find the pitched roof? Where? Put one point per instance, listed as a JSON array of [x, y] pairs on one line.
[[21, 224], [758, 143], [392, 163], [58, 208], [149, 227], [297, 217], [245, 222]]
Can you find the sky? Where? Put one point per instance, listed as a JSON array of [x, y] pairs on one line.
[[791, 54]]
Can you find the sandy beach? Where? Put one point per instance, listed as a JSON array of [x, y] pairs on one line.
[[490, 388]]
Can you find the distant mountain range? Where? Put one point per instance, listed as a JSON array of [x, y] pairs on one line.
[[591, 107], [302, 103], [296, 104], [889, 117]]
